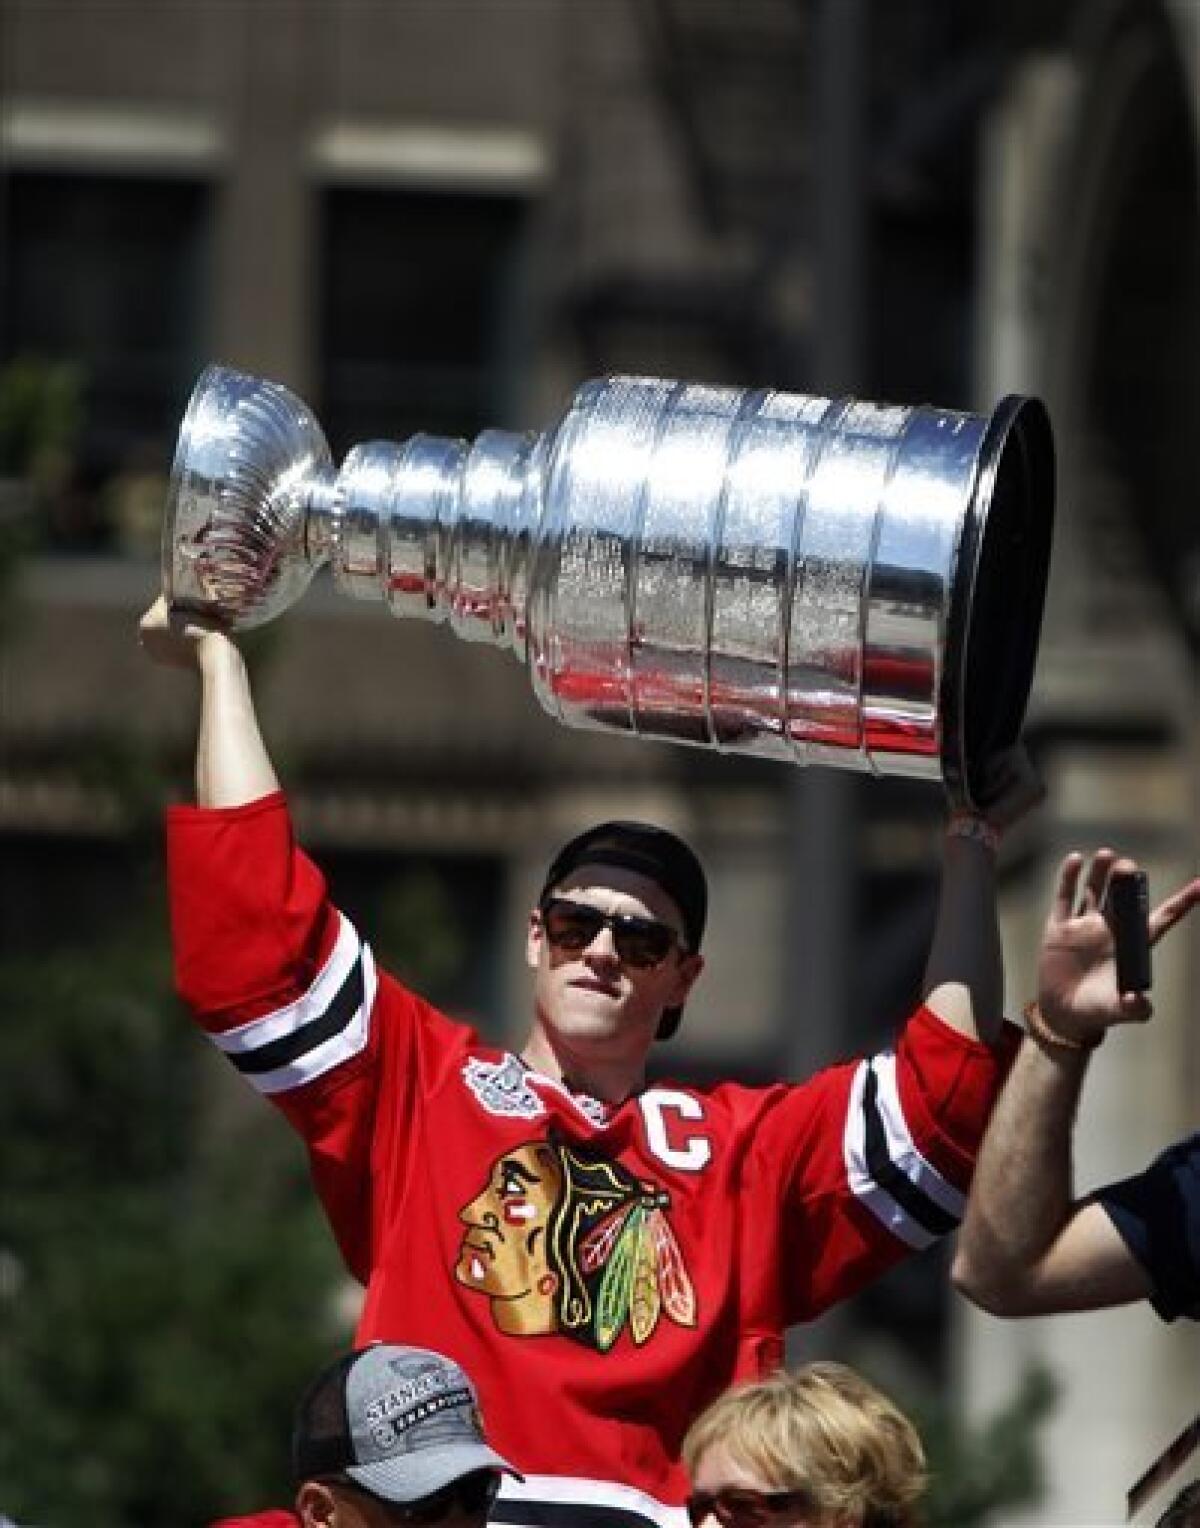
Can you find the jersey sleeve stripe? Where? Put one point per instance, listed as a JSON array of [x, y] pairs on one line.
[[325, 1056], [902, 1149], [347, 1001], [328, 981], [886, 1171], [324, 1028]]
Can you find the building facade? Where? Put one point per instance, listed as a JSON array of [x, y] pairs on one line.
[[440, 217], [1091, 296]]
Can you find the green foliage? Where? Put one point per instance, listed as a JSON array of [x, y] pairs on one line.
[[40, 414], [40, 411], [416, 925], [978, 1474], [16, 539], [123, 769], [165, 1287]]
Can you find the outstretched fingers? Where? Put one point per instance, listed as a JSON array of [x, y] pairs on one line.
[[1096, 883], [1177, 906], [1068, 884]]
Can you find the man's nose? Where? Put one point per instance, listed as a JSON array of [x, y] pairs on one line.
[[602, 945]]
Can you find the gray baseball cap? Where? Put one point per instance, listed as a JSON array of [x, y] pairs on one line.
[[400, 1422]]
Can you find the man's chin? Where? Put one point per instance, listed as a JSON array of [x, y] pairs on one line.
[[590, 1029]]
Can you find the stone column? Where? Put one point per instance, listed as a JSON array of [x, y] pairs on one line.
[[265, 228]]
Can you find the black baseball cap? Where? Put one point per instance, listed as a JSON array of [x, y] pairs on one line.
[[658, 855], [400, 1422]]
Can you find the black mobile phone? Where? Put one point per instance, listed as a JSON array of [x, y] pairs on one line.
[[1128, 911]]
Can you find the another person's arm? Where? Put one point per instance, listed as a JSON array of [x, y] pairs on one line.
[[1027, 1245]]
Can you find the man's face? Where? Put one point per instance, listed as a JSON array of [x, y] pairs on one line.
[[321, 1504], [592, 1000]]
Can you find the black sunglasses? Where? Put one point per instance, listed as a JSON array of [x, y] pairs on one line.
[[640, 942], [740, 1507], [472, 1494]]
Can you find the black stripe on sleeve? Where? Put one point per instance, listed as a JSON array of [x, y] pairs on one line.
[[282, 1052], [924, 1210]]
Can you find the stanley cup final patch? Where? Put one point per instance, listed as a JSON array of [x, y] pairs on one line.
[[503, 1088]]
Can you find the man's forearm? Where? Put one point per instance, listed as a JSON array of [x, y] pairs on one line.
[[964, 975], [1022, 1194], [232, 763]]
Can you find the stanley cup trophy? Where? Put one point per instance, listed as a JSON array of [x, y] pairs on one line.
[[821, 581]]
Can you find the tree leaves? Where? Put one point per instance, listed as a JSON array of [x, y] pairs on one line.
[[160, 1307]]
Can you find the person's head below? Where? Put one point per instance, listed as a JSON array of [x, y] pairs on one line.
[[614, 943], [820, 1447], [392, 1435]]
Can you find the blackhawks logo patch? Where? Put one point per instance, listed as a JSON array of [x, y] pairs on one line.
[[563, 1240]]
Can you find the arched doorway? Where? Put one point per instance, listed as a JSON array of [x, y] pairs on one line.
[[1124, 334]]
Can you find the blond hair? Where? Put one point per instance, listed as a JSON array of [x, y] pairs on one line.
[[826, 1431]]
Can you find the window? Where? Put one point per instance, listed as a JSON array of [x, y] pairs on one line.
[[103, 285], [421, 312]]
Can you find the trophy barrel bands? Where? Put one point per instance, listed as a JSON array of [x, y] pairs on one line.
[[833, 582], [579, 635], [924, 490], [250, 464]]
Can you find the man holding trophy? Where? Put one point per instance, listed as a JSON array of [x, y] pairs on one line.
[[605, 1257]]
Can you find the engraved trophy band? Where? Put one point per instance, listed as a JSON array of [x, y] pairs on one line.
[[820, 581]]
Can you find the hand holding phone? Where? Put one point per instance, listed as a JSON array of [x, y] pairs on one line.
[[1127, 908]]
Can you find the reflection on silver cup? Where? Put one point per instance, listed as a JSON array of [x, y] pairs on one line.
[[819, 581]]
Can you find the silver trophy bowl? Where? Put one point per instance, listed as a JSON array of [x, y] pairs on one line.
[[821, 581]]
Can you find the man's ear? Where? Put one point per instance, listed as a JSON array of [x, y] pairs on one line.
[[535, 936], [316, 1505], [687, 973]]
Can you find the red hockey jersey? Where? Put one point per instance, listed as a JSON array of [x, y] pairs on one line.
[[273, 1518], [602, 1272]]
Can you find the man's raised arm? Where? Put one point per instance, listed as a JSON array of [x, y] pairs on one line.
[[964, 973], [273, 974], [232, 763]]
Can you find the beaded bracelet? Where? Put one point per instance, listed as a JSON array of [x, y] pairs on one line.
[[1041, 1030], [968, 825]]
